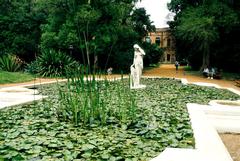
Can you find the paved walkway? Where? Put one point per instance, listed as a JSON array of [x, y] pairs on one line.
[[36, 81], [168, 70]]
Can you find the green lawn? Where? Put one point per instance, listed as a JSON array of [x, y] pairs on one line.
[[14, 77]]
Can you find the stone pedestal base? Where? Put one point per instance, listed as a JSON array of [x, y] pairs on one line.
[[138, 87]]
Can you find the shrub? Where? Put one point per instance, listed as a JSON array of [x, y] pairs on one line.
[[52, 63], [33, 67], [10, 63]]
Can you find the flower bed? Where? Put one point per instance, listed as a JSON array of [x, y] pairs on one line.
[[36, 131]]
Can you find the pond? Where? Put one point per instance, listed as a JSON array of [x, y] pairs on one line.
[[39, 131]]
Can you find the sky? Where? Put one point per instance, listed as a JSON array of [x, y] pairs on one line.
[[157, 9]]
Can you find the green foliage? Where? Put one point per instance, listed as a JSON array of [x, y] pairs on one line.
[[10, 63], [161, 121], [86, 15], [55, 64], [195, 28], [49, 40], [188, 68], [14, 77], [203, 28]]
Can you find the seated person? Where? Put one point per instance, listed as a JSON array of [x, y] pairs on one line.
[[211, 73], [205, 72], [109, 71], [217, 74]]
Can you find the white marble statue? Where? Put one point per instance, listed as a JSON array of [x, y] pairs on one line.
[[137, 67]]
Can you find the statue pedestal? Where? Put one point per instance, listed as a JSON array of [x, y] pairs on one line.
[[141, 86]]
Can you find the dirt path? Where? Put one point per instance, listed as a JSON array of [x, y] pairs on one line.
[[232, 143]]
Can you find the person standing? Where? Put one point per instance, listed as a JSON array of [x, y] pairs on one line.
[[176, 65]]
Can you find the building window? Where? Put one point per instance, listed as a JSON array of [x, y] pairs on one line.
[[148, 39], [168, 42], [158, 40]]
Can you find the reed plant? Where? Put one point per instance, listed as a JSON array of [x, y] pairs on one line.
[[86, 100]]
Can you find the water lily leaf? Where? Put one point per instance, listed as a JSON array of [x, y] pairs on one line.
[[87, 155], [128, 159], [57, 154], [86, 147], [34, 151], [17, 158], [124, 127], [11, 154], [101, 147], [52, 145], [105, 156], [13, 135], [26, 146], [93, 142], [52, 133], [62, 135], [42, 132], [68, 144]]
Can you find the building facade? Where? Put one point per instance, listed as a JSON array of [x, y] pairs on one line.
[[163, 38]]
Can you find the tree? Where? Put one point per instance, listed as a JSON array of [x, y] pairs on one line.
[[198, 31]]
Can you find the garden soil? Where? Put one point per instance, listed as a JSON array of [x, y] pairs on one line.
[[231, 141]]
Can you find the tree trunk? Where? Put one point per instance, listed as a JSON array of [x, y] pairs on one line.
[[206, 60], [95, 65]]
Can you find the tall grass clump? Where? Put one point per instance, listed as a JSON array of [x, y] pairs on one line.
[[10, 63], [86, 100]]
